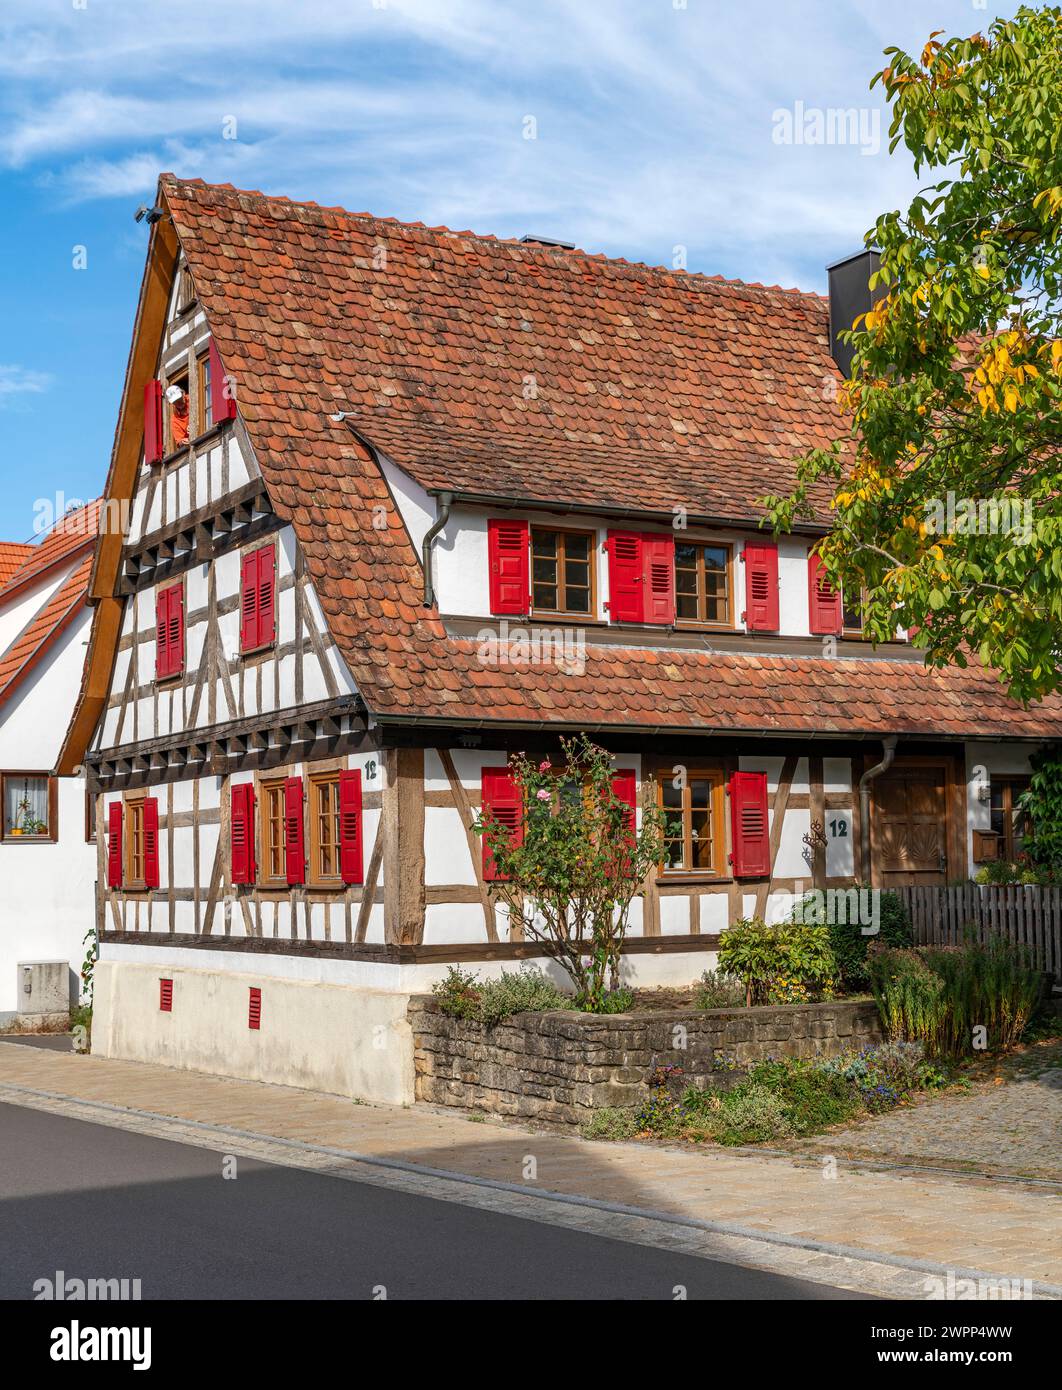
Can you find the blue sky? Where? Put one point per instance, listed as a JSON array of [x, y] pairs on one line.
[[653, 120]]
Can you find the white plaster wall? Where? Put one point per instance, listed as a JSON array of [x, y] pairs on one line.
[[315, 1034], [47, 900], [646, 969], [19, 611]]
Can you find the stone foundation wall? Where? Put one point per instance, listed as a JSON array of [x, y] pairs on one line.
[[560, 1066]]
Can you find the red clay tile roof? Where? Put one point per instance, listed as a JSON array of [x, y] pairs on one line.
[[36, 638], [653, 389], [515, 369], [74, 531], [13, 554]]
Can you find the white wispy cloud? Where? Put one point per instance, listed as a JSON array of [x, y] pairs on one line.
[[16, 382]]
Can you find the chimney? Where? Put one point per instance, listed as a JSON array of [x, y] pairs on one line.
[[850, 296]]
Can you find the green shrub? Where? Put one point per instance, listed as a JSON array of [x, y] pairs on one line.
[[611, 1122], [463, 995], [759, 954], [944, 996], [457, 993], [849, 945], [749, 1114], [718, 990], [616, 1001], [811, 1099]]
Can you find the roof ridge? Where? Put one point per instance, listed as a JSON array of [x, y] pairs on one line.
[[555, 254]]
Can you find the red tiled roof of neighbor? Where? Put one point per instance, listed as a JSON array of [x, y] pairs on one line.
[[652, 389], [37, 637], [73, 532], [13, 554]]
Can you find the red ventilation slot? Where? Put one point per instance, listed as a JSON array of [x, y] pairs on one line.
[[254, 1008], [166, 996]]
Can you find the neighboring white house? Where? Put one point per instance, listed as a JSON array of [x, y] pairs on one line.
[[47, 854]]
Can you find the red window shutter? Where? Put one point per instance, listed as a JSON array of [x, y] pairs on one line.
[[501, 795], [242, 833], [254, 1007], [258, 605], [166, 996], [625, 789], [750, 838], [162, 633], [151, 842], [824, 601], [761, 586], [176, 629], [659, 553], [114, 845], [626, 577], [249, 601], [222, 401], [508, 554], [169, 631], [153, 421], [350, 852], [294, 853], [267, 625]]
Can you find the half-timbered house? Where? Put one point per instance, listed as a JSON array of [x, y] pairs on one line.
[[441, 497], [47, 834]]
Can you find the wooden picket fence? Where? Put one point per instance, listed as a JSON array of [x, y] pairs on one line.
[[1029, 914]]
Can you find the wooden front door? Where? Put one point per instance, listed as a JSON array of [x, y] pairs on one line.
[[910, 841]]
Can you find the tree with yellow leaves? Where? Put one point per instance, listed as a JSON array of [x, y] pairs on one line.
[[955, 401]]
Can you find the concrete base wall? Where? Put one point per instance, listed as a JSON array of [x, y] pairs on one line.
[[345, 1040]]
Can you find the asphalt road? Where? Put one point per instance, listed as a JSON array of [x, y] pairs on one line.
[[103, 1203]]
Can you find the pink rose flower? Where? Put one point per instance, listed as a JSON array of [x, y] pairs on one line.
[[543, 794]]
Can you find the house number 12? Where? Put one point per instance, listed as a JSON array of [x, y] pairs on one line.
[[839, 829]]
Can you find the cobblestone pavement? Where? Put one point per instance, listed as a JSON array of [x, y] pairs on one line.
[[881, 1232], [1010, 1123]]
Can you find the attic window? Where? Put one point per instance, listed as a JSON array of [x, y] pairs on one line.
[[178, 412], [185, 290]]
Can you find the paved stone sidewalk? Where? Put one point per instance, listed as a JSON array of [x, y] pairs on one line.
[[1013, 1126], [996, 1228]]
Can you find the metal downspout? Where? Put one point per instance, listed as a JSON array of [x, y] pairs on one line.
[[442, 516], [889, 746]]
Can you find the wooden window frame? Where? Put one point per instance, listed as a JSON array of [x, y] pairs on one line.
[[707, 624], [855, 634], [265, 788], [133, 812], [204, 420], [315, 878], [90, 816], [562, 532], [1010, 782], [51, 837], [720, 872]]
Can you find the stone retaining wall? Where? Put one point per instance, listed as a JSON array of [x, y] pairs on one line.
[[561, 1065]]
